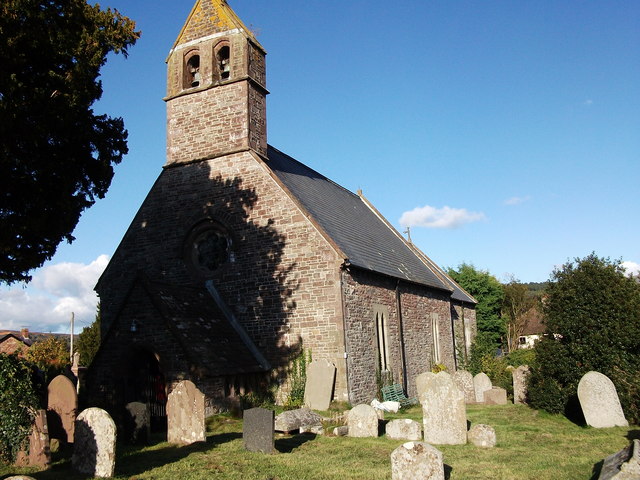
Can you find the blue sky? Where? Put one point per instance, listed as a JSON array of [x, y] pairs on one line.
[[506, 133]]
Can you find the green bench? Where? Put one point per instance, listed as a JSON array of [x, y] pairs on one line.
[[395, 393]]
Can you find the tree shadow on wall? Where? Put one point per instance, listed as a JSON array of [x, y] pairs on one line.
[[196, 227]]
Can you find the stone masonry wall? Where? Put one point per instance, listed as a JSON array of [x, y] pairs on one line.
[[364, 293], [283, 281]]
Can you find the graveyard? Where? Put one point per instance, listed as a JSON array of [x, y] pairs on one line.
[[531, 445]]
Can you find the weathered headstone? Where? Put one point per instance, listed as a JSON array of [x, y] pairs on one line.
[[62, 408], [464, 382], [257, 430], [520, 376], [422, 381], [318, 389], [404, 429], [482, 435], [20, 477], [341, 431], [481, 383], [138, 422], [292, 420], [599, 401], [363, 421], [495, 396], [94, 449], [185, 414], [39, 454], [622, 465], [444, 413], [417, 461]]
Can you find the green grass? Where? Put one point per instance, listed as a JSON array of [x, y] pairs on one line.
[[531, 445]]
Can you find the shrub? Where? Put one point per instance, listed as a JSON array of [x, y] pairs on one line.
[[298, 379], [18, 402]]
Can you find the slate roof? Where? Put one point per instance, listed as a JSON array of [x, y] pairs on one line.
[[366, 239]]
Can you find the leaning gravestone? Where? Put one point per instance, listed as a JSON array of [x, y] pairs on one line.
[[417, 461], [62, 408], [138, 422], [257, 430], [292, 420], [318, 389], [495, 396], [403, 429], [481, 383], [39, 454], [363, 421], [464, 382], [422, 381], [185, 414], [444, 413], [94, 449], [599, 401], [520, 376]]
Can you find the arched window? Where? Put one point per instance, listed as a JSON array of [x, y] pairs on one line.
[[224, 64], [193, 71]]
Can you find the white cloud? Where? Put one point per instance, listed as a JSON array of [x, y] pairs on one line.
[[445, 217], [517, 200], [632, 268], [588, 102], [45, 305]]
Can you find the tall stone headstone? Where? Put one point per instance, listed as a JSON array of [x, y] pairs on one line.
[[39, 454], [417, 461], [444, 412], [185, 414], [422, 381], [481, 383], [363, 421], [318, 389], [520, 376], [62, 408], [258, 430], [138, 422], [599, 401], [464, 382], [94, 449]]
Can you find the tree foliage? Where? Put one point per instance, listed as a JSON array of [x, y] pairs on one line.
[[592, 315], [487, 290], [518, 301], [18, 403], [88, 341], [51, 356], [56, 154]]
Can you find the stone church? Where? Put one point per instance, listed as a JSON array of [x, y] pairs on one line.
[[241, 258]]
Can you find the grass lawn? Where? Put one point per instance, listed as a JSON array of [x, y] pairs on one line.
[[531, 445]]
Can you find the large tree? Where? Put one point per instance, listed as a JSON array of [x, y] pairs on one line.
[[592, 314], [56, 154], [517, 303]]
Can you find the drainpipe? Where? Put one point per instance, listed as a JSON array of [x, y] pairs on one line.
[[401, 327], [344, 332]]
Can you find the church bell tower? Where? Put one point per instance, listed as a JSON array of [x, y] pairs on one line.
[[216, 87]]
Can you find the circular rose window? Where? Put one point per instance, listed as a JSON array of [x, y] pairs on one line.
[[208, 248]]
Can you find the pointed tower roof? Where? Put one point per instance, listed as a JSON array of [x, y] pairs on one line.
[[209, 18]]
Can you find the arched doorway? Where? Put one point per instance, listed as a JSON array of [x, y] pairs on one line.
[[145, 383]]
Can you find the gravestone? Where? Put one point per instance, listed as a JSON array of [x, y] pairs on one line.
[[422, 381], [341, 431], [20, 477], [94, 449], [363, 421], [404, 429], [464, 382], [39, 453], [62, 408], [481, 383], [318, 389], [444, 412], [292, 420], [258, 430], [495, 396], [482, 435], [520, 376], [622, 465], [599, 401], [138, 422], [185, 414], [417, 461]]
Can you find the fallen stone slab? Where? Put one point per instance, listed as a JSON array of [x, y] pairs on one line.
[[292, 420], [622, 465]]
